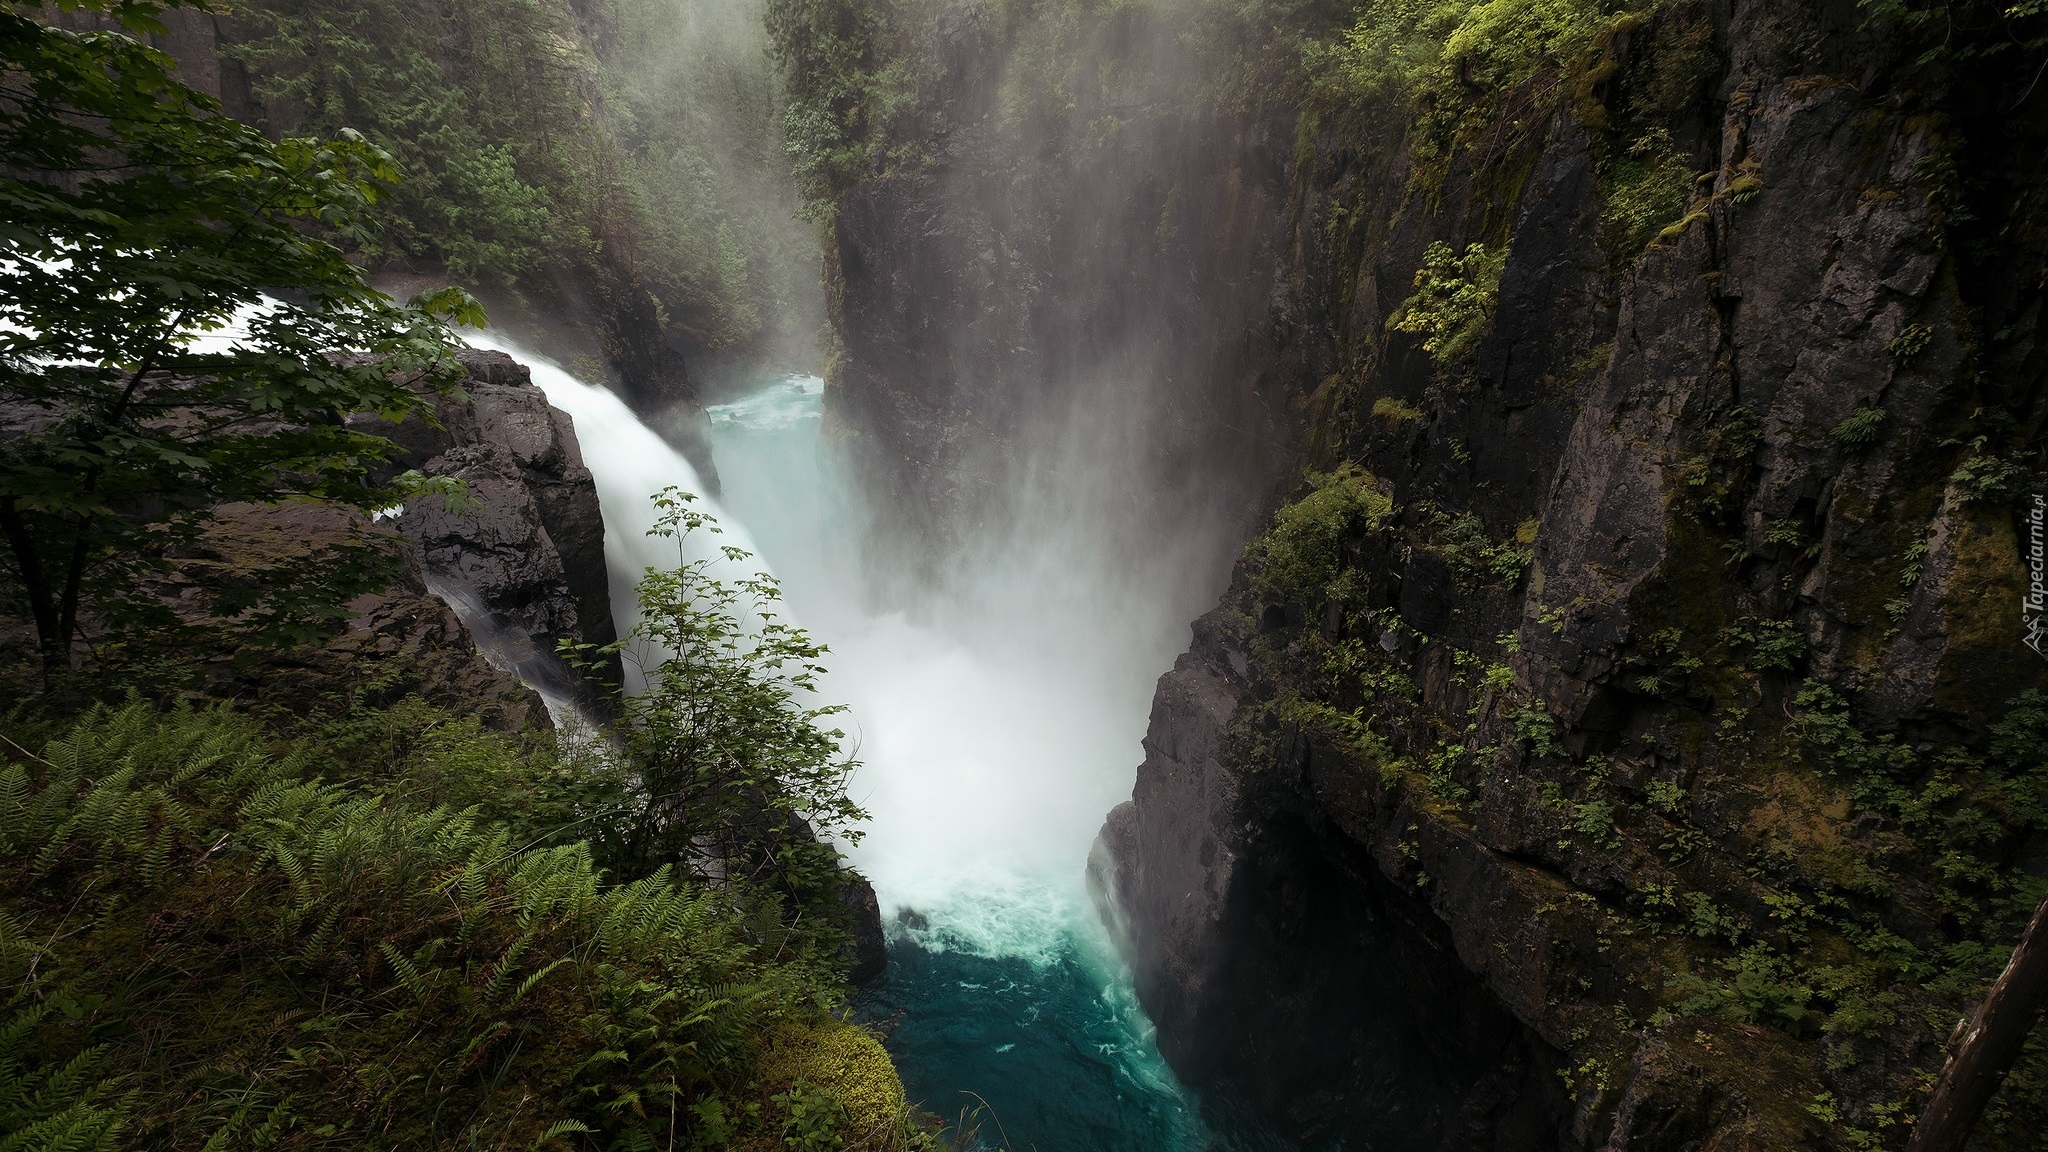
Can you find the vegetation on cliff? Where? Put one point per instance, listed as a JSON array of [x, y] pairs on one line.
[[1745, 825], [1812, 877], [396, 928], [626, 147]]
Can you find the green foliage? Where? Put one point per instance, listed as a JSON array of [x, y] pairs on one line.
[[1912, 340], [1395, 411], [1476, 558], [1455, 64], [1434, 45], [1440, 773], [480, 195], [1303, 554], [1774, 645], [1962, 811], [815, 1120], [627, 147], [1453, 301], [1537, 729], [1860, 428], [849, 87], [1985, 476], [1648, 187], [397, 929], [254, 954], [844, 1087], [46, 1106], [142, 231], [741, 778], [1394, 46], [1760, 985]]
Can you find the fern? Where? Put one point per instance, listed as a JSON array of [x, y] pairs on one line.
[[49, 1106], [522, 997]]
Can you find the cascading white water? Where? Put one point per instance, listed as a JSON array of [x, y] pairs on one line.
[[994, 730], [996, 726]]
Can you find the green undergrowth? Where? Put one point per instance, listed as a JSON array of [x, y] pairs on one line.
[[210, 936], [1454, 298], [378, 923], [1306, 545], [1478, 82], [1462, 66]]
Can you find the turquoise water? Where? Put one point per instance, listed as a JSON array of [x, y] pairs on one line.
[[1047, 1040], [996, 730]]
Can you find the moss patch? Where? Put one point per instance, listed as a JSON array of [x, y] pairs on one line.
[[846, 1061]]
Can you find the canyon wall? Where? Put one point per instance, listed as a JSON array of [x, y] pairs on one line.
[[1623, 735]]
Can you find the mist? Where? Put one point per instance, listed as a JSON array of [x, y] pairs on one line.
[[694, 99]]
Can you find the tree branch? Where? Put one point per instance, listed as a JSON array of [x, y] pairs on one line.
[[1989, 1045]]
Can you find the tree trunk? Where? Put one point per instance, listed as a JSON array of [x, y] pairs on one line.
[[1989, 1045], [51, 638]]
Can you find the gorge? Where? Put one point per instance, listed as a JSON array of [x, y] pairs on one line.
[[1660, 385], [1421, 575]]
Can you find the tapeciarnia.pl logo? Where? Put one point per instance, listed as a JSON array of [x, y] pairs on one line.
[[2035, 602]]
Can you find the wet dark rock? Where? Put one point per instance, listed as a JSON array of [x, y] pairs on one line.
[[525, 564], [867, 954], [403, 639]]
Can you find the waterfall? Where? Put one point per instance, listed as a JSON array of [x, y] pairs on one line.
[[996, 721], [994, 727]]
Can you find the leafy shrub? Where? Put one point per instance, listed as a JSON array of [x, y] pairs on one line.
[[844, 1085], [1860, 427], [1395, 411], [1394, 45], [1984, 475], [1912, 340], [1419, 45], [1647, 188], [1453, 301], [1477, 559], [1303, 553], [738, 778], [1455, 64]]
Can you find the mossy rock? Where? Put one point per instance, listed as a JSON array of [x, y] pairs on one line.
[[847, 1061]]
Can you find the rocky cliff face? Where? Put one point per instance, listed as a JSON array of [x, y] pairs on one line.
[[1523, 808], [522, 560], [1622, 739], [404, 639]]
